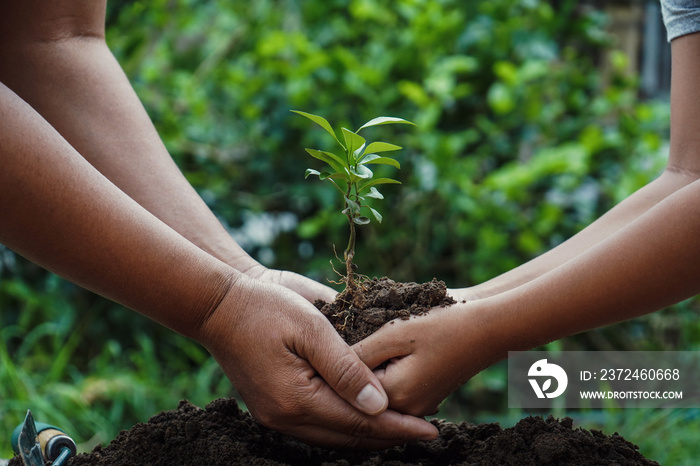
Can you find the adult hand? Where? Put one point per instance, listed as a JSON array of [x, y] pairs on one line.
[[428, 356], [295, 373], [309, 289]]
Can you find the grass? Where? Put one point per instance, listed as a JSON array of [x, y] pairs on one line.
[[668, 436], [61, 363], [120, 388]]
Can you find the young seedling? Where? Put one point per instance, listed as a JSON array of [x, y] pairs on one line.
[[350, 174]]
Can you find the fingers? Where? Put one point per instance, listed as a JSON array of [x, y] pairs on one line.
[[384, 345], [410, 387], [330, 421], [413, 368], [376, 433], [464, 294], [343, 370], [297, 376], [394, 352], [311, 290], [351, 401]]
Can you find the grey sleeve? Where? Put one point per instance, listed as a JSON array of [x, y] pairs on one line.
[[681, 17]]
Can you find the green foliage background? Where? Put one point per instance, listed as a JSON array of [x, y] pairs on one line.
[[523, 140]]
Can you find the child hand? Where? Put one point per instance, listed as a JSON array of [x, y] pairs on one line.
[[428, 356]]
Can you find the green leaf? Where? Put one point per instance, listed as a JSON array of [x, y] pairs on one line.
[[377, 182], [327, 175], [373, 193], [362, 172], [385, 121], [357, 155], [376, 214], [320, 121], [381, 161], [368, 157], [501, 98], [353, 207], [353, 141], [381, 147], [330, 158], [361, 220], [311, 171]]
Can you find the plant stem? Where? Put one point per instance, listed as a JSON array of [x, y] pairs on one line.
[[349, 255], [350, 249]]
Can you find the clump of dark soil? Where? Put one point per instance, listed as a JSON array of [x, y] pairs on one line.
[[221, 434], [356, 315]]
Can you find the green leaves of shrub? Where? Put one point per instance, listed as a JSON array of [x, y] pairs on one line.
[[350, 174], [348, 170]]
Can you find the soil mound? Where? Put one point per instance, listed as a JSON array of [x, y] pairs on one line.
[[221, 434]]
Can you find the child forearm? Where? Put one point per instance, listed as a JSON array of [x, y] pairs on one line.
[[613, 221]]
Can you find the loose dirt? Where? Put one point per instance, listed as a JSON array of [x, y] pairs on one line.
[[357, 315], [222, 434]]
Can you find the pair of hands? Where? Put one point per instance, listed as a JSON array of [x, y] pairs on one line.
[[428, 356], [299, 377]]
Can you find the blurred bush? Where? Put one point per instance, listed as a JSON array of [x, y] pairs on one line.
[[522, 141]]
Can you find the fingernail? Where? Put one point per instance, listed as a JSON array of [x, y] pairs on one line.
[[370, 400]]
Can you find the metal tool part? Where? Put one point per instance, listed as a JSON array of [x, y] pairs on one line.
[[29, 448], [38, 443]]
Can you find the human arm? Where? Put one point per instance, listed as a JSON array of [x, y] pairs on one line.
[[683, 168], [291, 368], [650, 264], [647, 262], [54, 57], [630, 209], [296, 376]]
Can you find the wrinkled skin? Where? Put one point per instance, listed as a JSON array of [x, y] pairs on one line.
[[88, 190]]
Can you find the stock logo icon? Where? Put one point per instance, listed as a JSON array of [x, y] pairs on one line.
[[545, 372]]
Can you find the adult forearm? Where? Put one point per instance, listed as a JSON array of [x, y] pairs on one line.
[[292, 369], [61, 213], [80, 89], [63, 68]]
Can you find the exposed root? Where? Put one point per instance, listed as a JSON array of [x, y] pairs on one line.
[[352, 282], [348, 314]]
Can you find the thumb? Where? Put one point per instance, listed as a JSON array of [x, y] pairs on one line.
[[346, 374]]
